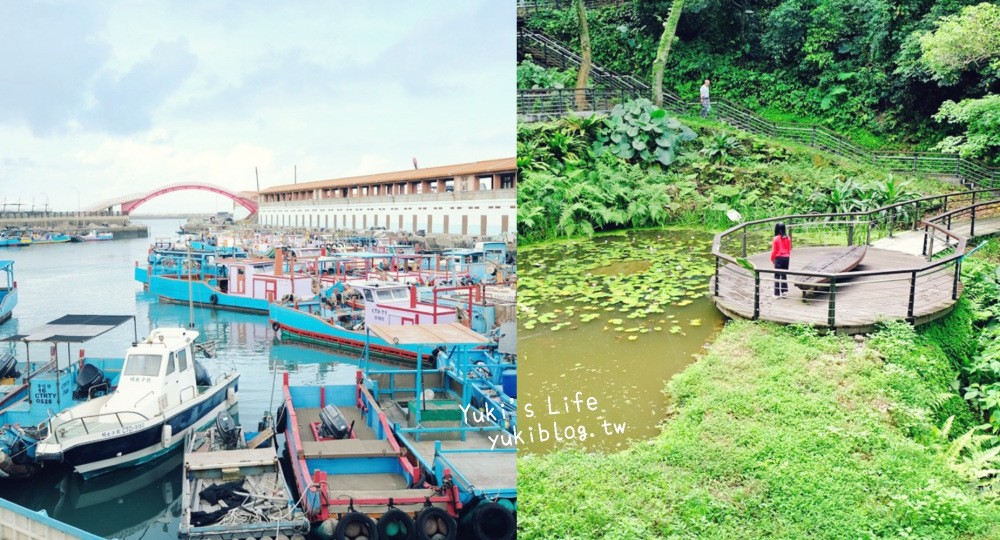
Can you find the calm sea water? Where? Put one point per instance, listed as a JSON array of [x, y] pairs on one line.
[[96, 277]]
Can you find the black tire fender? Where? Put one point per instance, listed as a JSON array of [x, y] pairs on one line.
[[434, 513], [351, 520], [490, 521], [279, 419], [406, 529]]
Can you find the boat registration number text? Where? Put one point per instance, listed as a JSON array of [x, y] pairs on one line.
[[124, 430]]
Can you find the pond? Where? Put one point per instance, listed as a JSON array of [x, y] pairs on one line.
[[603, 324]]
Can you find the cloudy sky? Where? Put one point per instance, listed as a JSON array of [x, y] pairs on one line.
[[101, 99]]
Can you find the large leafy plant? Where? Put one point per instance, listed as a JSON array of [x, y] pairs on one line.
[[640, 132]]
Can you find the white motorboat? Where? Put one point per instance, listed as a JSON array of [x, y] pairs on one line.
[[162, 395]]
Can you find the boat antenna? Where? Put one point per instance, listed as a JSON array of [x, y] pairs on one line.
[[190, 288]]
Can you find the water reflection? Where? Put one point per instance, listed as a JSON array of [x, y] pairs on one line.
[[129, 503]]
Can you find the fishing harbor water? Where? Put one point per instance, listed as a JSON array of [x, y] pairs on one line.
[[97, 277]]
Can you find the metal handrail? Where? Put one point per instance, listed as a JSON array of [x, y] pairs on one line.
[[54, 428], [939, 224], [815, 136]]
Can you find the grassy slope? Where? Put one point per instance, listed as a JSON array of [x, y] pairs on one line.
[[776, 434]]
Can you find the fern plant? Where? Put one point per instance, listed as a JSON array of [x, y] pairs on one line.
[[973, 456]]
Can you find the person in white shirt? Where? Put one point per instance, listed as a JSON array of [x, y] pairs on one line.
[[706, 103]]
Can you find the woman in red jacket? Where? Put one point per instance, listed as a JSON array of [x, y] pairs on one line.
[[781, 250]]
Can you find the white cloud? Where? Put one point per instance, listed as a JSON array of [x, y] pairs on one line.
[[121, 97]]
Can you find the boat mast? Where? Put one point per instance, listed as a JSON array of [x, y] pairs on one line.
[[190, 288]]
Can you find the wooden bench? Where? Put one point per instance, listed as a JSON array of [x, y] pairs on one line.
[[835, 262], [346, 448]]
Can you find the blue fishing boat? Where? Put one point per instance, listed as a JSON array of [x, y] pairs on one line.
[[162, 395], [14, 238], [8, 291], [353, 473], [49, 238], [202, 264], [233, 485], [247, 285], [30, 392], [434, 417], [339, 321]]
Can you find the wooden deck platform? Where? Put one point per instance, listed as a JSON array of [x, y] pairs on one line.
[[859, 303]]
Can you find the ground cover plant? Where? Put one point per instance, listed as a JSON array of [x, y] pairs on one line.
[[776, 433]]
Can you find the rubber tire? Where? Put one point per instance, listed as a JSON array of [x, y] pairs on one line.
[[279, 419], [395, 514], [496, 512], [214, 299], [355, 517], [275, 326], [435, 512]]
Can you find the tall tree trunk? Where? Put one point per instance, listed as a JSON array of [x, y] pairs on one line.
[[581, 78], [669, 29]]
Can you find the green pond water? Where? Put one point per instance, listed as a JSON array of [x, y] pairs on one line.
[[603, 325]]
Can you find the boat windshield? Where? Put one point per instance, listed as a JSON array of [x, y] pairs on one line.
[[392, 294], [143, 365]]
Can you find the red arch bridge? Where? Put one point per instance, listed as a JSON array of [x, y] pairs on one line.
[[130, 202]]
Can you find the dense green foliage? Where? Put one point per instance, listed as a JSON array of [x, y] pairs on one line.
[[782, 433], [860, 67], [531, 75], [968, 41], [571, 186]]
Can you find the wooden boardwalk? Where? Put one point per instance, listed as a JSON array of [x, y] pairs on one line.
[[858, 303]]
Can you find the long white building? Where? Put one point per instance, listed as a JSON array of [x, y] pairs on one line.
[[477, 198]]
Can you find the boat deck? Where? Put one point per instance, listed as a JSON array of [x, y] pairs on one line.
[[479, 464], [365, 491]]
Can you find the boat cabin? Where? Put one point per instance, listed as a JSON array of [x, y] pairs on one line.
[[397, 304], [158, 374], [263, 278]]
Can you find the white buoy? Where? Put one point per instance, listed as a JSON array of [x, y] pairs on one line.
[[166, 435]]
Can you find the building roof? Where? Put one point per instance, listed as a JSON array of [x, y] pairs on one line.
[[430, 173]]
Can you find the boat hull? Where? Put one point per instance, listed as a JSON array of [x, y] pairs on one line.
[[134, 445], [305, 326], [172, 290], [7, 303]]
